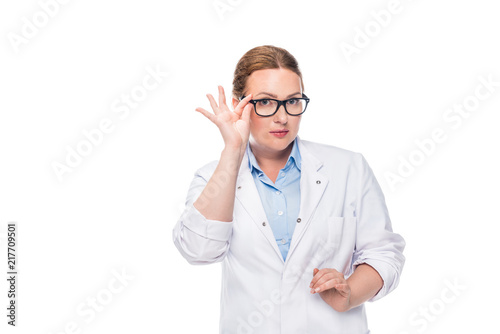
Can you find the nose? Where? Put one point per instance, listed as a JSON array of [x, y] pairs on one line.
[[281, 116]]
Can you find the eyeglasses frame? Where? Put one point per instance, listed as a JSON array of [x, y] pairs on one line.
[[280, 103]]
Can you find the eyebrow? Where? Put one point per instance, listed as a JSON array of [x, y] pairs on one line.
[[275, 96]]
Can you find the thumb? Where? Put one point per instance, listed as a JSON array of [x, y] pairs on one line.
[[315, 271], [245, 115]]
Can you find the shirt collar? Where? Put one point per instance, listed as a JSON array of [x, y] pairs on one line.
[[294, 158]]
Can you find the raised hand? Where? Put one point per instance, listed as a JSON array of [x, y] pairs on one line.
[[233, 125]]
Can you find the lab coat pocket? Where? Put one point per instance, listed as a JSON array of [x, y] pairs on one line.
[[335, 228]]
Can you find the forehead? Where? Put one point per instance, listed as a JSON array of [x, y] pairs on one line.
[[276, 80]]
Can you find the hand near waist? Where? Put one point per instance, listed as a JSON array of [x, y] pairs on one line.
[[343, 295], [332, 287]]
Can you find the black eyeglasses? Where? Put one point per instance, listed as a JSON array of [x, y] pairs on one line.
[[267, 107]]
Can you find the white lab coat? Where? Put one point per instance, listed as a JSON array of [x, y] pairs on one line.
[[343, 221]]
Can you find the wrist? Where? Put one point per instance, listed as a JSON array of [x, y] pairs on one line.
[[231, 158], [342, 306], [234, 151]]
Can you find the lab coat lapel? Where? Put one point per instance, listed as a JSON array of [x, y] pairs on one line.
[[313, 183], [248, 195]]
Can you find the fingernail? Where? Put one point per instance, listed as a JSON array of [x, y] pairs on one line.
[[317, 289]]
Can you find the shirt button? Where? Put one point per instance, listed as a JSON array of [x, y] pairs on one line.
[[282, 174], [283, 241], [280, 213], [278, 192]]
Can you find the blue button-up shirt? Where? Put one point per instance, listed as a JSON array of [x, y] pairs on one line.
[[281, 200]]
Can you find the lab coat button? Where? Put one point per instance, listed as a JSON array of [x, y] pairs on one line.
[[298, 220], [239, 187], [318, 181], [263, 223]]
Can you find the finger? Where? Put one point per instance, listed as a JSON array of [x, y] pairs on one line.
[[325, 278], [245, 115], [323, 287], [317, 275], [243, 103], [207, 114], [330, 284], [326, 270], [314, 279], [213, 104], [222, 97], [328, 274]]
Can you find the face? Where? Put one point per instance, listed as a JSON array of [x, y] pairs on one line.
[[277, 84]]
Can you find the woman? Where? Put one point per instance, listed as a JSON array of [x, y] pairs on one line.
[[301, 228]]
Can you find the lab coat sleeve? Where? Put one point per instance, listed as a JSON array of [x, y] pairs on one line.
[[200, 240], [376, 243]]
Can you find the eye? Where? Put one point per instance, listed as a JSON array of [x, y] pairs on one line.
[[293, 101], [263, 102]]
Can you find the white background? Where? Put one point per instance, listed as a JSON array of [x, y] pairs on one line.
[[117, 208]]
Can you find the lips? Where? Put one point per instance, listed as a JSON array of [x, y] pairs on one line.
[[279, 133]]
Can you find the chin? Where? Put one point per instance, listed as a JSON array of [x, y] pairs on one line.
[[281, 143], [274, 143]]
